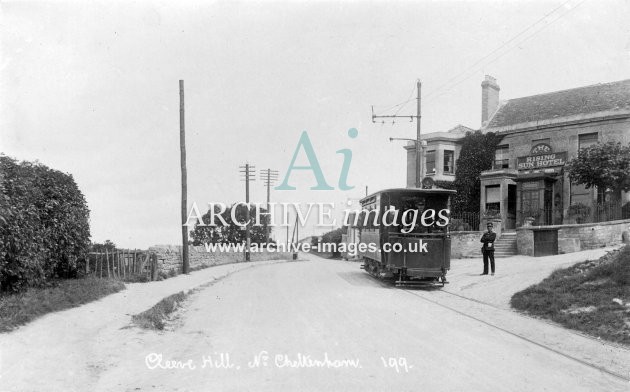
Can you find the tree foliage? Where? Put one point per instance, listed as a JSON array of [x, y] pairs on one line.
[[477, 155], [105, 246], [334, 237], [230, 233], [603, 165], [44, 225]]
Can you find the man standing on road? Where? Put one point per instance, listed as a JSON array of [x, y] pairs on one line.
[[488, 249]]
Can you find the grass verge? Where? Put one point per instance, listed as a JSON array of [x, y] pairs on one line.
[[19, 309], [326, 255], [592, 297], [156, 316]]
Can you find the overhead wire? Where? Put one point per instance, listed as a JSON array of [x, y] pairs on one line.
[[441, 90], [401, 104]]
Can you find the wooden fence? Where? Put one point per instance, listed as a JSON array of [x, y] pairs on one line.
[[123, 264]]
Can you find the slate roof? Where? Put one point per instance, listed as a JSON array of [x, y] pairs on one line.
[[605, 97]]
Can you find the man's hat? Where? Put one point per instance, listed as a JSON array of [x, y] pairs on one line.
[[489, 224]]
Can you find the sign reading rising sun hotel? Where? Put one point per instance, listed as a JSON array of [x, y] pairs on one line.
[[541, 157]]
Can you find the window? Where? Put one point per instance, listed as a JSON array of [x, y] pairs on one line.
[[530, 199], [430, 156], [586, 140], [449, 160], [493, 198], [501, 157]]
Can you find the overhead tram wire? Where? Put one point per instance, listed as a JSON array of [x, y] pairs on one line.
[[439, 91], [401, 105], [497, 49], [474, 67], [409, 99]]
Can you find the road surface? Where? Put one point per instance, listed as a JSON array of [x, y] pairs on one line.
[[366, 335], [325, 325]]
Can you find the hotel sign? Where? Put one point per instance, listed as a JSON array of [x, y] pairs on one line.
[[542, 156]]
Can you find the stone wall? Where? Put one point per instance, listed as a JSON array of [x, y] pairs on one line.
[[525, 241], [169, 257], [465, 244], [575, 237], [595, 235]]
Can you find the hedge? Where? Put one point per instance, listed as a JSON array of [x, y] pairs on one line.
[[44, 225]]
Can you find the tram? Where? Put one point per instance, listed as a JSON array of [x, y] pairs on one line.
[[404, 235]]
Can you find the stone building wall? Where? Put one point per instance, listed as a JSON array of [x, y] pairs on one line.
[[565, 138]]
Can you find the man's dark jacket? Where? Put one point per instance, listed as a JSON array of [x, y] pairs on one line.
[[487, 238]]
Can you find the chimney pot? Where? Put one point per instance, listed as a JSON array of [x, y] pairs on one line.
[[489, 99]]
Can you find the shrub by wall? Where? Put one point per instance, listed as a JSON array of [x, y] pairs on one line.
[[334, 237], [44, 225]]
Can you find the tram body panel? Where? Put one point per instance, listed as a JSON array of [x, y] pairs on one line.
[[424, 255], [370, 236]]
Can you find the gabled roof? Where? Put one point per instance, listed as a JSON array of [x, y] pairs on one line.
[[454, 133], [551, 107]]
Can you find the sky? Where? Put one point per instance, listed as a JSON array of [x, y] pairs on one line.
[[91, 89]]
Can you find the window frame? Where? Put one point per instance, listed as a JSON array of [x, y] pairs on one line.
[[444, 162], [505, 162], [426, 163]]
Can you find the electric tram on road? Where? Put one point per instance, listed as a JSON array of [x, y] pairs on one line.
[[413, 251]]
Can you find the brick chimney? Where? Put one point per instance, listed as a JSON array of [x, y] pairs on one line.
[[489, 99]]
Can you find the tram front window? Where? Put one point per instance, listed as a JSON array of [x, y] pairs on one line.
[[422, 204]]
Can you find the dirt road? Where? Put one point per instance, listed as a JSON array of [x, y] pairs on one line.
[[326, 325]]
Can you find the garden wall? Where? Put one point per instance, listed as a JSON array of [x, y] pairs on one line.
[[575, 237], [465, 244], [169, 257]]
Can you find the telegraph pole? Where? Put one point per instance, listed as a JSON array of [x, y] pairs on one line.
[[295, 238], [182, 148], [418, 144], [248, 171], [269, 177]]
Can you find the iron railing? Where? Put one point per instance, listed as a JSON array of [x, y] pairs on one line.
[[464, 221], [601, 212]]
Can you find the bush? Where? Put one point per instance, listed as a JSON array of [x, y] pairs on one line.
[[459, 225], [579, 212], [477, 155], [334, 237], [44, 225]]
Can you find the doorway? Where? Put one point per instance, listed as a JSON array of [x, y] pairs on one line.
[[510, 223]]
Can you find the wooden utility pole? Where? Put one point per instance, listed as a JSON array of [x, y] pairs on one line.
[[269, 177], [182, 148], [295, 238], [417, 141], [248, 172]]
